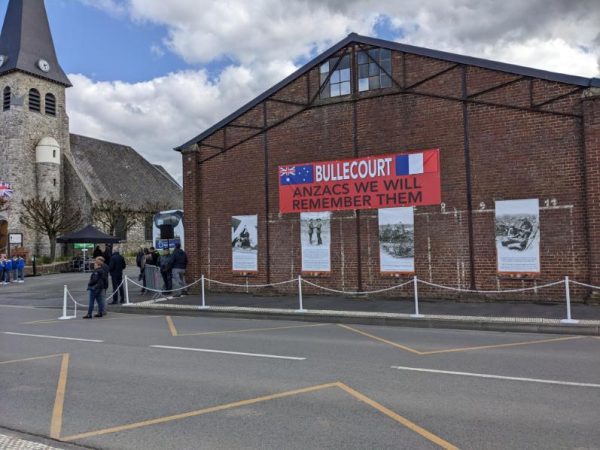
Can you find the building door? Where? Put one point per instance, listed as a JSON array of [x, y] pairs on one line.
[[3, 236]]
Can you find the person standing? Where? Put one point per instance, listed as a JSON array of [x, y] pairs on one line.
[[7, 270], [97, 252], [311, 230], [20, 270], [106, 272], [14, 269], [155, 256], [318, 228], [116, 267], [108, 251], [94, 288], [166, 267], [180, 261], [2, 268]]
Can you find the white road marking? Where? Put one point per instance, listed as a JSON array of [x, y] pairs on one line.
[[18, 306], [51, 337], [259, 355], [498, 377]]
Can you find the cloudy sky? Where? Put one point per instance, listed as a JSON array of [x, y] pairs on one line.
[[155, 73]]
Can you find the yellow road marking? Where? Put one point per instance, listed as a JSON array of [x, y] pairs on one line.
[[253, 329], [460, 349], [171, 325], [59, 400], [398, 418], [198, 412], [30, 359], [385, 341], [513, 344]]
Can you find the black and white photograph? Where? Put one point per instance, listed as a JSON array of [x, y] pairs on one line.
[[518, 236], [244, 243], [396, 240], [315, 237]]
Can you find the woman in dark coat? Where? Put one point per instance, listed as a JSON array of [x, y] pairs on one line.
[[95, 286]]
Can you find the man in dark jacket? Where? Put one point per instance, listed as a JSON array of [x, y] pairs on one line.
[[116, 266], [166, 268], [180, 261]]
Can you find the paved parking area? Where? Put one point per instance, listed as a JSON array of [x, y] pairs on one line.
[[156, 382]]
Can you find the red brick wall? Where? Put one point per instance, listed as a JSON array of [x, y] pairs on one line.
[[515, 151]]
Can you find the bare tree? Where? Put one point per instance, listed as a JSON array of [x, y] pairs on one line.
[[110, 213], [50, 217]]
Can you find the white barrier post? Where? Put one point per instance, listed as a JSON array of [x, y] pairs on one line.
[[568, 299], [301, 309], [416, 314], [65, 299], [202, 287], [126, 290]]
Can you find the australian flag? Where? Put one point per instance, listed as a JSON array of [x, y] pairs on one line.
[[295, 174], [6, 190]]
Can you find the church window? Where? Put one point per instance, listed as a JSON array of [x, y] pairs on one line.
[[54, 153], [6, 99], [121, 228], [35, 101], [335, 77], [54, 181], [374, 69], [148, 227], [50, 105]]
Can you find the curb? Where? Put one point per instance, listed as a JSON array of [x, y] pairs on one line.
[[525, 325]]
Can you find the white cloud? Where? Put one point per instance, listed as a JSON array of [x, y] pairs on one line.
[[264, 38]]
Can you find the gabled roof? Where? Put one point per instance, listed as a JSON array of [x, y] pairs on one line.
[[26, 39], [354, 38], [118, 172]]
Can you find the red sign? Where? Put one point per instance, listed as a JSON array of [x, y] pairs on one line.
[[382, 181]]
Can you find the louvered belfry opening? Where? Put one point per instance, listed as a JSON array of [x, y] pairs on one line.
[[6, 99], [34, 100], [50, 105]]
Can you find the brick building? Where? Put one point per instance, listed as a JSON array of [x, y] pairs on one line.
[[504, 132]]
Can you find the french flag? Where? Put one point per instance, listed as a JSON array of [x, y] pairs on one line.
[[416, 163]]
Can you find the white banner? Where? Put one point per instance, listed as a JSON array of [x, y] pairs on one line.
[[315, 239], [518, 236], [244, 243], [397, 240]]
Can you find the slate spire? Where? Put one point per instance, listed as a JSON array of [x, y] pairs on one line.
[[26, 42]]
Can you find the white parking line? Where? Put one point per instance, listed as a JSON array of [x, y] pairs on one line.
[[498, 377], [258, 355], [51, 337]]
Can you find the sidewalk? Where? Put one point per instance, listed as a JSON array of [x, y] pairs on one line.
[[500, 316]]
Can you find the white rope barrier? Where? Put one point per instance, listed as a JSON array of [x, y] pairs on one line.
[[591, 286], [357, 292], [251, 285], [160, 291], [504, 291]]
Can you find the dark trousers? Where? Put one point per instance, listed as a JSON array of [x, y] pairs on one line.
[[95, 296], [117, 278], [168, 280]]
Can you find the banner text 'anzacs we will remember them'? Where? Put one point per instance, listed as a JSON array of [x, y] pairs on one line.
[[383, 181]]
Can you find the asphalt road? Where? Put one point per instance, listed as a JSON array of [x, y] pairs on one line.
[[155, 382]]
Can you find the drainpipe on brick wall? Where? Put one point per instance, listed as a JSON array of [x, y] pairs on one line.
[[591, 143]]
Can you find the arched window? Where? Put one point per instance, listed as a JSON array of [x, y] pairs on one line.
[[35, 101], [6, 99], [50, 105]]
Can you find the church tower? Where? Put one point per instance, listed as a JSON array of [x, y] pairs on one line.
[[34, 127]]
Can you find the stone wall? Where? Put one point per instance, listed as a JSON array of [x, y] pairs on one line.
[[21, 130]]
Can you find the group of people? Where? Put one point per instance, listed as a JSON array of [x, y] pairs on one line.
[[12, 270], [172, 268]]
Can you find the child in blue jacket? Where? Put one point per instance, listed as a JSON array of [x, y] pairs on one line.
[[20, 269], [7, 270]]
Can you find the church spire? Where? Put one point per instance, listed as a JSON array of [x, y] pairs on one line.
[[26, 42]]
